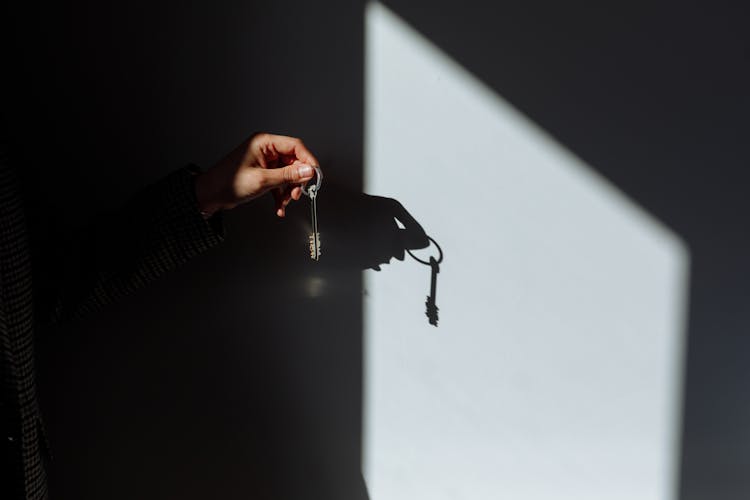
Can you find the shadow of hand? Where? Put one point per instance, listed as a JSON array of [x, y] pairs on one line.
[[363, 230]]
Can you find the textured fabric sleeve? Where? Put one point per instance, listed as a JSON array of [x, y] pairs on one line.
[[121, 251]]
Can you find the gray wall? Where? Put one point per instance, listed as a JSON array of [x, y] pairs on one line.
[[226, 379]]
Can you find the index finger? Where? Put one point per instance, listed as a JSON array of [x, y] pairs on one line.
[[293, 146]]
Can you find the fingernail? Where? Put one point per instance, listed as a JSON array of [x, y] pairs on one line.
[[305, 170]]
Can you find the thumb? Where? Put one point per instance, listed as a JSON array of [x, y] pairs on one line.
[[292, 174]]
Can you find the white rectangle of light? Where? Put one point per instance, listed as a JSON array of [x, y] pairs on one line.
[[555, 371]]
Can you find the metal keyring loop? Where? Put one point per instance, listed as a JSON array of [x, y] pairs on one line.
[[439, 259], [315, 188]]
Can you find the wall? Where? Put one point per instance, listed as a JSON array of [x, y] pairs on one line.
[[229, 378], [236, 375]]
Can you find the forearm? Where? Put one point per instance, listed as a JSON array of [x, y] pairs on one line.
[[157, 231]]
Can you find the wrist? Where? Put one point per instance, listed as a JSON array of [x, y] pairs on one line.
[[207, 195]]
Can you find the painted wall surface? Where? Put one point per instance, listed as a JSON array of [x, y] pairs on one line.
[[555, 369], [571, 160]]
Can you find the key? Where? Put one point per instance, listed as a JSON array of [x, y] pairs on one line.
[[312, 192], [432, 308], [315, 235]]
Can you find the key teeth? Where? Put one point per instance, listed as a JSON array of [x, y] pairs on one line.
[[315, 253]]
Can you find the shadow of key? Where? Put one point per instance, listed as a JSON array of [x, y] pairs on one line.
[[430, 303]]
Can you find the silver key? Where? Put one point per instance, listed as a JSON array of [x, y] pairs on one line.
[[312, 192]]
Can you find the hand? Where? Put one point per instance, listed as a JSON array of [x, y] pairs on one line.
[[262, 163]]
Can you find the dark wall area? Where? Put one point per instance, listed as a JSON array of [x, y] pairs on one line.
[[230, 378], [239, 376]]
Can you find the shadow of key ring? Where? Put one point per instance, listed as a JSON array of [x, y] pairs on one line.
[[316, 188], [437, 261]]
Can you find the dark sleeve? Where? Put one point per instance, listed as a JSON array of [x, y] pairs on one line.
[[123, 250]]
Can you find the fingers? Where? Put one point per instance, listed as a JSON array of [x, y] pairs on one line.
[[297, 173], [284, 196], [284, 181], [290, 146]]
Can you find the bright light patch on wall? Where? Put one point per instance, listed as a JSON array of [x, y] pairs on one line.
[[555, 371]]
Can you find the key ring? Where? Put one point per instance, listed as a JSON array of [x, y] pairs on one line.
[[313, 190]]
